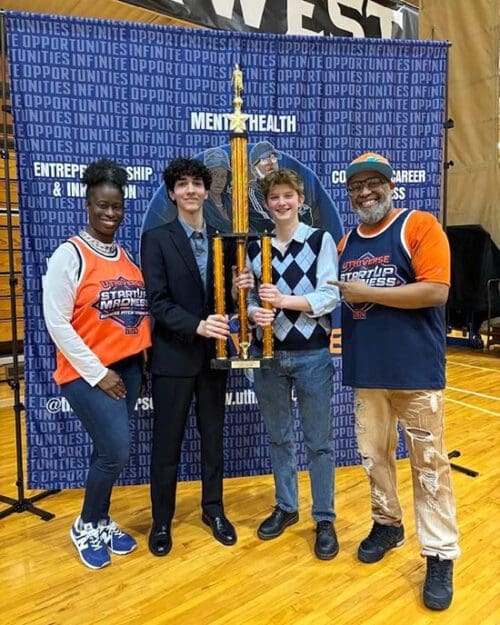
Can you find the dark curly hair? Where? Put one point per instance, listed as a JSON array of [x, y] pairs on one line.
[[104, 171], [181, 167]]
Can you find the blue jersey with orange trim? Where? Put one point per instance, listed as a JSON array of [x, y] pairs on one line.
[[382, 346]]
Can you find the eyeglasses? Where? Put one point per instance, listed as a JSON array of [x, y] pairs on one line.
[[371, 183], [270, 159]]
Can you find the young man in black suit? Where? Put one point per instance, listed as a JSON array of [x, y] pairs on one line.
[[177, 268]]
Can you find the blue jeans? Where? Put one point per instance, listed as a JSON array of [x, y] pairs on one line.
[[310, 372], [106, 421]]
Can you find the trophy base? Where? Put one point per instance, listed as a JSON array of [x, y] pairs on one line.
[[241, 363], [249, 236]]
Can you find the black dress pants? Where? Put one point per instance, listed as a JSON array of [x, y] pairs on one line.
[[172, 398]]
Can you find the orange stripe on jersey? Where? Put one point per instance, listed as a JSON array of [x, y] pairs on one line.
[[429, 248]]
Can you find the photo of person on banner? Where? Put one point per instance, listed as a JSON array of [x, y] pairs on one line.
[[217, 206], [317, 210], [303, 258], [263, 160], [101, 336], [177, 265], [394, 278]]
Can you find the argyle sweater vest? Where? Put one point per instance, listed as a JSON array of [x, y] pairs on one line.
[[294, 273]]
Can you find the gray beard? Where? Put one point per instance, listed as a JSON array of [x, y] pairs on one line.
[[374, 214]]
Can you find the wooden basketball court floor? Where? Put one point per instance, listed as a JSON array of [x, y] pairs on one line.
[[201, 582]]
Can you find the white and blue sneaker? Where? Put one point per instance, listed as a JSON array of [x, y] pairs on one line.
[[90, 544], [114, 538]]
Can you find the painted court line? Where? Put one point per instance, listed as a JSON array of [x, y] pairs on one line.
[[461, 364], [476, 394], [472, 407]]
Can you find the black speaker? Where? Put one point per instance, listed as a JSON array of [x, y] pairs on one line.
[[475, 259]]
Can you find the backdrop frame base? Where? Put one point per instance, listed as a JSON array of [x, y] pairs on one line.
[[22, 503]]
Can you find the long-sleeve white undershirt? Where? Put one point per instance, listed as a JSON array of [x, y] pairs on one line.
[[59, 293]]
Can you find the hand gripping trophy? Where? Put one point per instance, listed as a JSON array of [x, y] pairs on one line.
[[239, 168]]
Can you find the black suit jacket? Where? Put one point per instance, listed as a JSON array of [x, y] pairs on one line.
[[178, 300]]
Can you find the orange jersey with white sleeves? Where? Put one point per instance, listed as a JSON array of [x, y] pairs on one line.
[[110, 312]]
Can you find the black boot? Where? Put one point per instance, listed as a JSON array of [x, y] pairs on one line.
[[438, 585], [326, 546], [275, 525]]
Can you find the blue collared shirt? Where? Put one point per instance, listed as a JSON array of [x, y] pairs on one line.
[[198, 240]]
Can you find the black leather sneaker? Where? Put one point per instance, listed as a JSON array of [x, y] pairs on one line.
[[438, 585], [378, 542]]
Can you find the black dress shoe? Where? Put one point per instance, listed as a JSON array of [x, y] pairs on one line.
[[160, 540], [222, 529], [326, 546], [275, 524]]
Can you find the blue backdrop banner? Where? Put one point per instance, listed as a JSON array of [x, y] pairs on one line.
[[142, 95]]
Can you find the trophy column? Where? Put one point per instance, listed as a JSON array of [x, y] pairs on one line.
[[219, 290], [239, 167], [240, 234], [267, 276]]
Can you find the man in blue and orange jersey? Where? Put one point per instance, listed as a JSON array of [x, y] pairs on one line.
[[394, 271]]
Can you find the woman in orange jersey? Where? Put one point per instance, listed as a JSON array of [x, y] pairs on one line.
[[95, 308]]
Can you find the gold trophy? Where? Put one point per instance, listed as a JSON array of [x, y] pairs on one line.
[[239, 168]]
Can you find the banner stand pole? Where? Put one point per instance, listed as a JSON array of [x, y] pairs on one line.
[[448, 125], [22, 503]]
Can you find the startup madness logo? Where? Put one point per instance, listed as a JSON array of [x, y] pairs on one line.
[[123, 301], [375, 271]]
